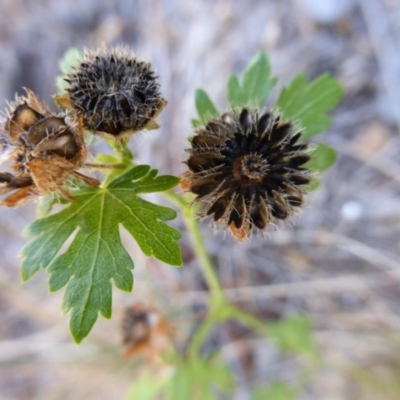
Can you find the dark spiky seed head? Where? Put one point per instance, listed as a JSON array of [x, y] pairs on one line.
[[248, 171], [116, 93]]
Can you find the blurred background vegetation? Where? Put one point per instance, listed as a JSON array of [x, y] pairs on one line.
[[338, 263]]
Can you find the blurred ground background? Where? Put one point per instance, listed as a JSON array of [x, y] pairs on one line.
[[339, 262]]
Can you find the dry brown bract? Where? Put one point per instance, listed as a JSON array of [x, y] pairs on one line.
[[44, 151], [144, 332]]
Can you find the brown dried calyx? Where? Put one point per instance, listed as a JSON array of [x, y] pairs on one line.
[[45, 150], [116, 94], [247, 170], [144, 332]]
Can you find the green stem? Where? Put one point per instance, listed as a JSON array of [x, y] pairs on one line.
[[202, 256], [219, 308], [120, 147], [205, 262], [200, 336], [247, 319], [217, 300]]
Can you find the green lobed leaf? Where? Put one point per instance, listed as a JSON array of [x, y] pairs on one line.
[[204, 106], [45, 204], [309, 103], [256, 84], [96, 255], [322, 157]]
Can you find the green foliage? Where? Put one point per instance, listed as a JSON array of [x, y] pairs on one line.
[[196, 378], [275, 390], [253, 91], [45, 204], [147, 387], [313, 185], [71, 57], [256, 84], [322, 158], [309, 103], [204, 106], [96, 254], [293, 333]]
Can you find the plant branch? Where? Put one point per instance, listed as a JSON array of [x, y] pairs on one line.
[[205, 262], [200, 335]]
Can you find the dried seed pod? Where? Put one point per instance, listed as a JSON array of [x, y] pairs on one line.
[[144, 331], [116, 93], [247, 169], [44, 151]]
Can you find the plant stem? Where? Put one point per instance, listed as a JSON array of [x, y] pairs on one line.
[[202, 256], [205, 262], [248, 320], [219, 308], [120, 148], [200, 335], [217, 299]]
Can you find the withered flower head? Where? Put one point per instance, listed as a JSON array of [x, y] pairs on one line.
[[44, 151], [247, 169], [144, 331], [116, 93]]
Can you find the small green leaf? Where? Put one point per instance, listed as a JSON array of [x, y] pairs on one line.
[[256, 80], [276, 390], [313, 185], [204, 106], [195, 379], [195, 123], [45, 204], [147, 387], [308, 103], [70, 58], [293, 333], [256, 84], [96, 255], [234, 92], [322, 157]]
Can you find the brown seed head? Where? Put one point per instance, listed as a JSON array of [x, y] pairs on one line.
[[45, 150], [116, 93]]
